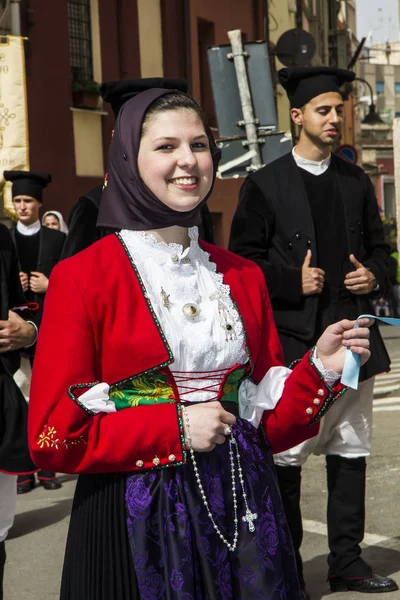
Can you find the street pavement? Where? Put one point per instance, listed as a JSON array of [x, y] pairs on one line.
[[382, 547], [36, 544]]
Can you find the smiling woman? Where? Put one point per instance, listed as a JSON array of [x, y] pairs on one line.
[[177, 168], [184, 149], [153, 405]]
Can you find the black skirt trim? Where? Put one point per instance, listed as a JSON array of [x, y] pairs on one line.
[[98, 537]]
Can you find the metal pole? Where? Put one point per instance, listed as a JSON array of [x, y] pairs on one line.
[[356, 54], [365, 82], [187, 54], [15, 17], [396, 155], [325, 24], [249, 122], [299, 14], [265, 9]]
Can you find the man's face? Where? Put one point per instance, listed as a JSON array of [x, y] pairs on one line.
[[27, 209], [321, 119]]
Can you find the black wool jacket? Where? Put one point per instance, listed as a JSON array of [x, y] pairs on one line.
[[273, 226], [50, 249]]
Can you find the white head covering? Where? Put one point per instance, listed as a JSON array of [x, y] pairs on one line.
[[63, 225]]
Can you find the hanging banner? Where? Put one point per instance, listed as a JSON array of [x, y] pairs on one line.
[[14, 142]]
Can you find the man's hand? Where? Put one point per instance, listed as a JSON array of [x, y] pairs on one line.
[[38, 282], [312, 279], [15, 333], [24, 281], [331, 346], [360, 281]]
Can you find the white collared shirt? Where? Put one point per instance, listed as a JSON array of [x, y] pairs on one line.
[[315, 167], [28, 229]]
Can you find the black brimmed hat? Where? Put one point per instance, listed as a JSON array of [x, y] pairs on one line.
[[302, 84], [118, 92], [27, 183]]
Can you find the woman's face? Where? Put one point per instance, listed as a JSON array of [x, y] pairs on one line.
[[174, 159], [52, 222]]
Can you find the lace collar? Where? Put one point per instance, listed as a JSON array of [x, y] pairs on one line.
[[163, 252]]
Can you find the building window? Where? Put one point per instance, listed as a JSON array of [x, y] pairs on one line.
[[397, 87], [397, 115], [80, 40], [380, 87], [389, 200], [5, 17]]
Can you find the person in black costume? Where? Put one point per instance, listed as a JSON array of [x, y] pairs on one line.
[[15, 332], [311, 221], [83, 217], [38, 250]]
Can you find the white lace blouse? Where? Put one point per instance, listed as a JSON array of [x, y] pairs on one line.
[[203, 347]]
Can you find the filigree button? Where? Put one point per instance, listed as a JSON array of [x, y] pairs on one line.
[[156, 461], [320, 392], [317, 401], [172, 458], [139, 464], [174, 258], [309, 411], [191, 310]]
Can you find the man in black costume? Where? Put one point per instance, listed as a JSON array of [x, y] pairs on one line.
[[83, 217], [38, 250], [311, 222], [15, 332]]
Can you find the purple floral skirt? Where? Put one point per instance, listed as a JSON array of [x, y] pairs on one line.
[[177, 554]]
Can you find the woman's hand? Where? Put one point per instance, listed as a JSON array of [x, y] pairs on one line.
[[207, 421], [332, 344]]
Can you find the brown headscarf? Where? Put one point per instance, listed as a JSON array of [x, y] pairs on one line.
[[127, 203]]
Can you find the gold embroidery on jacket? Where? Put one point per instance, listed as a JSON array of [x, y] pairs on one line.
[[48, 439]]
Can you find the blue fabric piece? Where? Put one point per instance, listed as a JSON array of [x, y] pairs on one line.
[[351, 368]]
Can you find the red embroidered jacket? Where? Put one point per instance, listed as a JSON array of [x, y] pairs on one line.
[[98, 325]]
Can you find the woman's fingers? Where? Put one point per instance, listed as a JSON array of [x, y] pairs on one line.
[[363, 354], [357, 333], [208, 425], [364, 322], [223, 415], [219, 439], [345, 326], [228, 418], [361, 350], [363, 343]]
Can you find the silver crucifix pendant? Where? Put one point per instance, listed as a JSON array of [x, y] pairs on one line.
[[248, 518]]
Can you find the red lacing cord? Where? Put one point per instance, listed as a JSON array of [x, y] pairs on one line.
[[183, 377]]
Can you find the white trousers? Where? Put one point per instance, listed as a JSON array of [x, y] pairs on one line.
[[396, 294], [23, 377], [346, 429], [8, 503]]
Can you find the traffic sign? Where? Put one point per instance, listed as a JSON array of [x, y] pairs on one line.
[[348, 153]]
